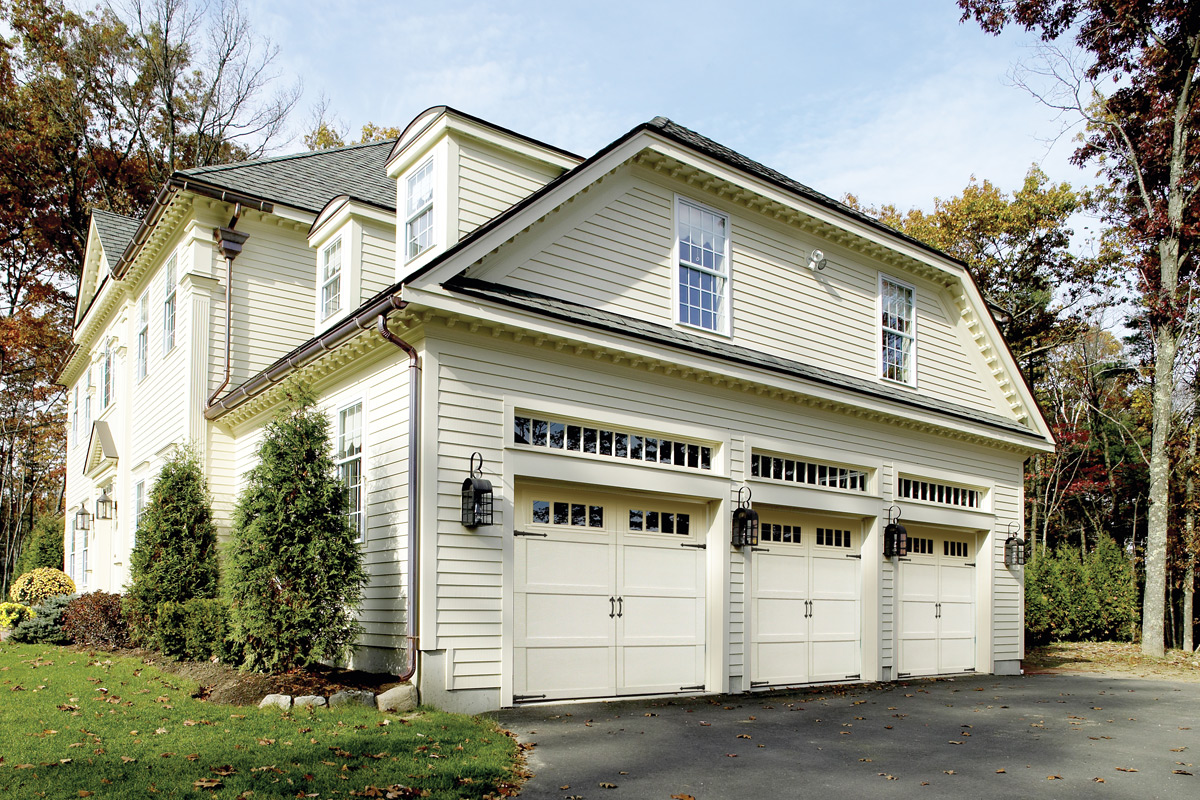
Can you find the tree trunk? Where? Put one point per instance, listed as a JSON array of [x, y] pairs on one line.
[[1189, 533], [1154, 600]]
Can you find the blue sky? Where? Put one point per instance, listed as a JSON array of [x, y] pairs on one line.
[[892, 101]]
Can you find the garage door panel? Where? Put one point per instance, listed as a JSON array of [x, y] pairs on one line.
[[835, 577], [564, 672], [778, 619], [564, 566], [665, 619], [647, 669], [835, 620], [781, 662], [568, 619], [958, 620], [920, 619], [834, 661], [937, 625], [660, 570], [919, 581], [957, 654], [919, 655], [957, 584], [780, 575]]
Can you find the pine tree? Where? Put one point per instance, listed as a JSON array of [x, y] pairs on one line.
[[175, 556], [295, 571]]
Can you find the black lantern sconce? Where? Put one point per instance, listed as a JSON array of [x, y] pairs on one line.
[[476, 496], [1014, 547], [745, 521], [895, 536], [104, 505], [83, 520]]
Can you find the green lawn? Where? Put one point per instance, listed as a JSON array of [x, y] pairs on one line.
[[74, 723]]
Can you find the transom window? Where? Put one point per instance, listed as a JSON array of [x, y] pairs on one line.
[[349, 461], [955, 549], [897, 331], [561, 512], [143, 334], [169, 306], [702, 240], [811, 473], [419, 207], [647, 521], [331, 279], [582, 438], [941, 493]]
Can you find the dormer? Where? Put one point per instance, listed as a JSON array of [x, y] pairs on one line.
[[354, 242], [453, 173]]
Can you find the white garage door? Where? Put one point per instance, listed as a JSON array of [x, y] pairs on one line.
[[609, 594], [936, 595], [804, 598]]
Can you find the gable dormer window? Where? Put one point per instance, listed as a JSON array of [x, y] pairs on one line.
[[331, 285], [169, 307], [418, 228], [897, 331], [702, 253]]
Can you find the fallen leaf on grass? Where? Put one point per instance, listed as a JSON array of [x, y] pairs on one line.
[[207, 783], [128, 760], [84, 793], [224, 771]]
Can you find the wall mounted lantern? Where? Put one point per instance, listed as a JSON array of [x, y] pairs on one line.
[[895, 536], [476, 496], [104, 505], [1014, 547], [745, 521], [83, 520]]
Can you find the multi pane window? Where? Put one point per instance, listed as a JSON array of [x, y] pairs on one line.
[[780, 534], [581, 438], [139, 505], [143, 335], [331, 286], [920, 546], [941, 493], [419, 209], [87, 400], [106, 378], [169, 306], [75, 416], [897, 331], [702, 239], [833, 537], [71, 553], [831, 476], [954, 549], [563, 512], [647, 521], [349, 461]]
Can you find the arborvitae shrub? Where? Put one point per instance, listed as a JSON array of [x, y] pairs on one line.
[[35, 587], [1083, 609], [1071, 598], [295, 571], [95, 619], [174, 557], [44, 545], [1038, 626], [1111, 575], [196, 630], [45, 626]]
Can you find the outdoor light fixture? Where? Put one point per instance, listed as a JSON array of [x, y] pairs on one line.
[[895, 536], [745, 521], [476, 496], [83, 520], [817, 260], [104, 505], [1014, 547]]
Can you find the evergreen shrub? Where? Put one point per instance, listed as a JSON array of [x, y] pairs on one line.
[[36, 586], [45, 625], [295, 571], [174, 557], [196, 630], [95, 619], [44, 545], [13, 614], [1072, 596]]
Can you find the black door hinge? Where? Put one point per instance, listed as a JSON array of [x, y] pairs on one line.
[[530, 533], [697, 688], [756, 684], [525, 698], [853, 555], [854, 677], [760, 549], [696, 546]]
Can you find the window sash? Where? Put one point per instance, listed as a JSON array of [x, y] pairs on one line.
[[169, 307], [349, 463], [702, 247], [106, 379], [143, 336], [897, 321], [418, 228], [331, 288]]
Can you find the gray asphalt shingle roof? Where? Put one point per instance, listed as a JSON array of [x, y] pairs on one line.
[[309, 180], [660, 334], [115, 231]]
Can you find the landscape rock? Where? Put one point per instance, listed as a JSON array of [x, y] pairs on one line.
[[353, 697], [400, 698], [310, 701], [283, 701]]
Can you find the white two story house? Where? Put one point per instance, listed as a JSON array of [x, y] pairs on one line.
[[627, 348]]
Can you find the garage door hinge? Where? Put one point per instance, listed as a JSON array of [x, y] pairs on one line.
[[970, 565], [523, 698], [971, 669], [903, 674], [697, 546], [529, 533], [854, 555], [699, 687], [857, 677], [755, 684]]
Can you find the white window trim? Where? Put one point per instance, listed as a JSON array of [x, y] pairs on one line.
[[341, 277], [360, 457], [139, 505], [879, 366], [75, 417], [143, 336], [432, 207], [725, 330], [106, 379], [71, 550], [170, 297]]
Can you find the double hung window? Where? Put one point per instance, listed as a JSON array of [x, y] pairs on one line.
[[898, 331], [418, 229], [75, 417], [349, 461], [331, 279], [139, 505], [702, 241], [143, 335], [169, 306], [106, 378]]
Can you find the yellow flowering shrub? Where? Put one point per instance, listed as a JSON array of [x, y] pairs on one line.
[[36, 586], [13, 614]]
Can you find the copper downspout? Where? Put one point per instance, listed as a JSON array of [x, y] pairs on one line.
[[414, 517], [229, 242]]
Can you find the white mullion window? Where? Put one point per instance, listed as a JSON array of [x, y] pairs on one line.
[[331, 286], [169, 306], [87, 400], [106, 378], [897, 331], [139, 505], [349, 462], [75, 417], [143, 335], [702, 248], [418, 228]]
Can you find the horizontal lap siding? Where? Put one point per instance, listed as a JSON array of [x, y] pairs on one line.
[[378, 260], [475, 378], [490, 182], [1008, 611]]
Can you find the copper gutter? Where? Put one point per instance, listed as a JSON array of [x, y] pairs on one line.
[[230, 244]]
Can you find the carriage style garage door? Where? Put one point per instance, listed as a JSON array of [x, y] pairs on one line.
[[936, 595], [804, 598], [609, 594]]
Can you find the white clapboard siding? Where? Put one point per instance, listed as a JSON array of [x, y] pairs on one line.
[[476, 376], [378, 259], [490, 181]]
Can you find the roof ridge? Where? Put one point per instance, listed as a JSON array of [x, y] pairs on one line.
[[285, 157]]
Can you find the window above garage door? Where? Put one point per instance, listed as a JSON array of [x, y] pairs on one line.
[[608, 442]]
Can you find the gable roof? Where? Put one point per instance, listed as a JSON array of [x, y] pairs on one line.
[[308, 180], [115, 231]]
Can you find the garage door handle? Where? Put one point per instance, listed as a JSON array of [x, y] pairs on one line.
[[620, 606], [612, 607], [939, 611]]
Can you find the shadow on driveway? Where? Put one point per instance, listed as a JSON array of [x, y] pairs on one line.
[[1029, 736]]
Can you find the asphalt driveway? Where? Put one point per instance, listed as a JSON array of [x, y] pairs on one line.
[[1030, 736]]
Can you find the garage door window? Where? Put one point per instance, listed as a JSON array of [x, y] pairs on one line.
[[781, 534], [833, 537], [920, 546], [596, 441], [559, 512], [956, 549], [659, 522]]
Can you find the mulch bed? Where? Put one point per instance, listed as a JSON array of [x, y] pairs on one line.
[[1111, 657]]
